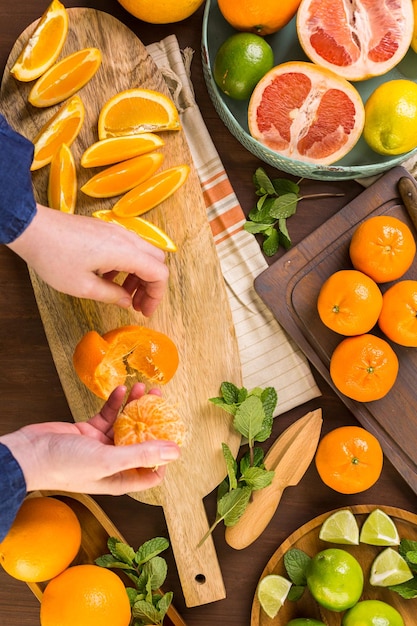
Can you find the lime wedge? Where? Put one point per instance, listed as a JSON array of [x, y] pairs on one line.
[[389, 568], [340, 527], [379, 530], [272, 592]]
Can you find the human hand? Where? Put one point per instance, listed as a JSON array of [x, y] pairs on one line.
[[82, 457], [81, 256]]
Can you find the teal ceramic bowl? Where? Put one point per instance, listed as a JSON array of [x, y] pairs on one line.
[[361, 162]]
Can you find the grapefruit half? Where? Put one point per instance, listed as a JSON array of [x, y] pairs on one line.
[[357, 39], [306, 112]]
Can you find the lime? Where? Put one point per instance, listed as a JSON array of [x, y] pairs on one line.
[[340, 527], [379, 530], [305, 621], [391, 117], [241, 61], [389, 568], [272, 592], [335, 579], [372, 613]]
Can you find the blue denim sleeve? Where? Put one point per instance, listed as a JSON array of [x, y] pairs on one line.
[[17, 202], [12, 489]]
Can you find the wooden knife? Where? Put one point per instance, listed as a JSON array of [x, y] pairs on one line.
[[408, 192], [289, 457]]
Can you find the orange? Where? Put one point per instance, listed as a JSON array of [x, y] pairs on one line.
[[152, 233], [44, 45], [147, 419], [398, 317], [355, 40], [306, 112], [85, 595], [43, 540], [116, 149], [152, 192], [62, 183], [349, 302], [349, 459], [101, 361], [136, 111], [364, 367], [122, 177], [65, 78], [382, 247], [164, 12], [261, 18], [63, 127]]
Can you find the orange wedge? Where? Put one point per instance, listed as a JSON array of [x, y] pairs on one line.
[[137, 111], [62, 184], [141, 227], [65, 78], [45, 44], [116, 149], [152, 192], [63, 127], [119, 178]]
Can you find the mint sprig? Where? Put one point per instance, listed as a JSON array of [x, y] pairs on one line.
[[278, 200], [147, 570], [408, 550]]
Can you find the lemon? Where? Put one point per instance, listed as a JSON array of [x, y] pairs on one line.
[[389, 568], [391, 117], [379, 530], [272, 593], [340, 527], [335, 579], [162, 12], [372, 613], [240, 63]]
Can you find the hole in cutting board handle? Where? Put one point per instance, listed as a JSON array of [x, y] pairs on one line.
[[200, 579]]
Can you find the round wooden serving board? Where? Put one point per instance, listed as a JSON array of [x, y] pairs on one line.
[[195, 312], [307, 539]]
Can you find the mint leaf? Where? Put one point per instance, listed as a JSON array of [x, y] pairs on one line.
[[262, 182], [232, 506], [407, 590], [296, 562], [151, 549], [285, 185], [231, 466], [257, 478], [284, 206], [296, 593], [249, 418], [271, 244]]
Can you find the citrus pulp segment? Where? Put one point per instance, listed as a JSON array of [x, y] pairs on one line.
[[62, 182], [389, 568], [148, 419], [123, 176], [136, 111], [63, 127], [272, 593], [65, 78], [152, 192], [379, 529], [262, 18], [145, 229], [340, 527], [117, 149], [357, 40], [44, 45], [306, 112]]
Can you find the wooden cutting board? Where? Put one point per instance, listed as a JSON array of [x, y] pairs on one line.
[[290, 288], [307, 539], [195, 312]]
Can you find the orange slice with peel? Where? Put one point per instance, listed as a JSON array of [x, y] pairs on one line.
[[65, 78], [148, 418], [122, 177], [117, 149], [44, 45], [63, 127], [102, 362], [136, 111], [62, 183], [148, 231], [152, 192]]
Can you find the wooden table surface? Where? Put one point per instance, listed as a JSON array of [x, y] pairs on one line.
[[30, 390]]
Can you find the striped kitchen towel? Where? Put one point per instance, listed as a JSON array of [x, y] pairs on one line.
[[268, 356]]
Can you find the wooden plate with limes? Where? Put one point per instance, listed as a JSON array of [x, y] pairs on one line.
[[307, 539]]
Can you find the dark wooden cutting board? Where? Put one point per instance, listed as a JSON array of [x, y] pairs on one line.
[[195, 311], [290, 288]]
